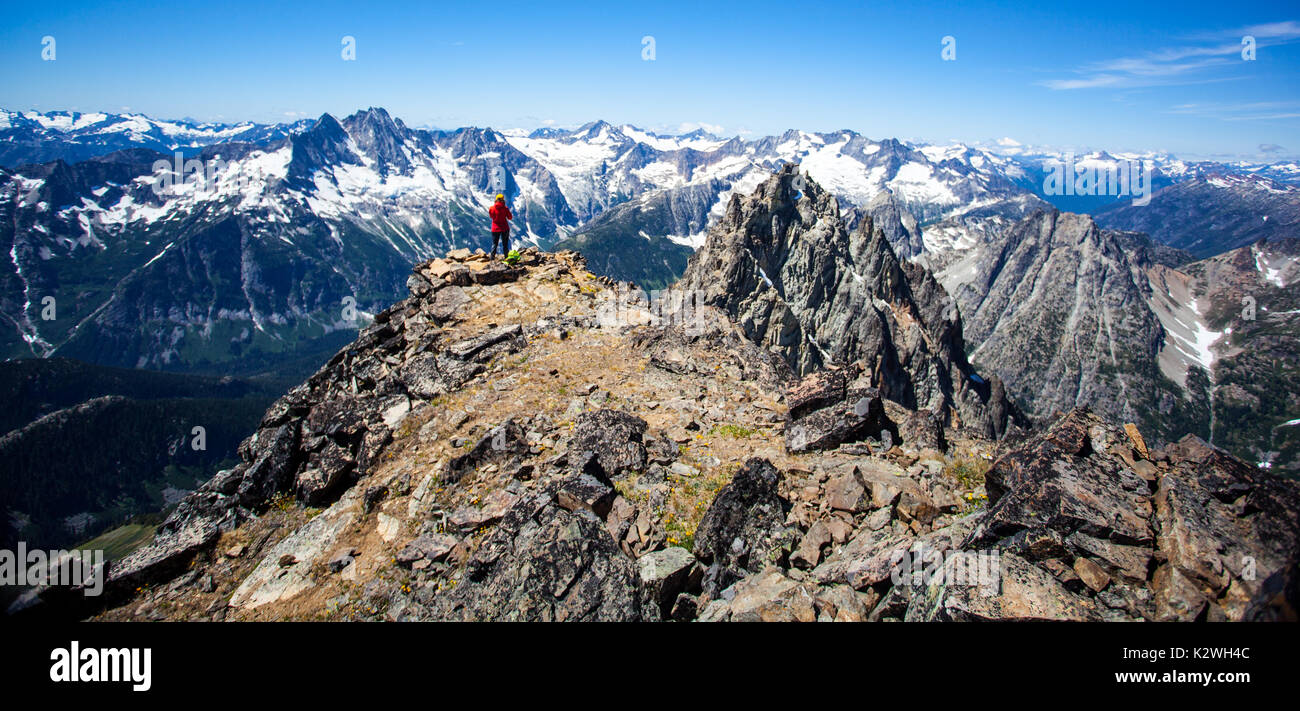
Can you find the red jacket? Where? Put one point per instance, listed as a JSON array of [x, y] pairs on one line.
[[500, 217]]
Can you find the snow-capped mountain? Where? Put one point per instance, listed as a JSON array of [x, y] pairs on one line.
[[600, 164], [34, 137], [149, 269], [146, 270], [1036, 163]]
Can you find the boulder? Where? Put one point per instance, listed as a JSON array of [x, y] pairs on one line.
[[847, 492], [1226, 527], [809, 552], [860, 416], [614, 438], [503, 445], [1023, 591], [772, 597], [448, 302], [1066, 480], [1092, 575], [471, 348], [841, 603], [430, 546], [491, 509], [496, 273], [814, 392], [542, 563], [664, 574], [584, 491], [743, 529]]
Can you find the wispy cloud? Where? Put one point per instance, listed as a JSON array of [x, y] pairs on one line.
[[1250, 111], [1273, 31], [1188, 63]]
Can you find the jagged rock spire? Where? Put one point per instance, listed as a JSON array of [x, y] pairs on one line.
[[783, 264]]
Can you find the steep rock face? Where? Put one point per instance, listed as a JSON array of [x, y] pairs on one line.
[[1060, 310], [1068, 314], [782, 263], [1250, 300], [900, 228]]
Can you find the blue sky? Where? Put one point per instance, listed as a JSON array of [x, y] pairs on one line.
[[1116, 75]]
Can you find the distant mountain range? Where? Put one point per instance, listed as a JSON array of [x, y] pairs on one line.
[[70, 136], [308, 214]]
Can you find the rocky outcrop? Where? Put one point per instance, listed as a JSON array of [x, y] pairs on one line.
[[833, 407], [1088, 527], [1080, 525], [527, 512], [1069, 314], [614, 439], [782, 263]]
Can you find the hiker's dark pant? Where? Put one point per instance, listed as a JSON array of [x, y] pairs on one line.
[[502, 238]]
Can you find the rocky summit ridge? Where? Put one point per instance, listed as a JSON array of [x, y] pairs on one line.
[[538, 443]]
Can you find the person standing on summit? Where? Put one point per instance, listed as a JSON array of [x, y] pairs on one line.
[[501, 218]]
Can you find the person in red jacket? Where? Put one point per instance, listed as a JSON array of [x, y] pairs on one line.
[[501, 218]]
